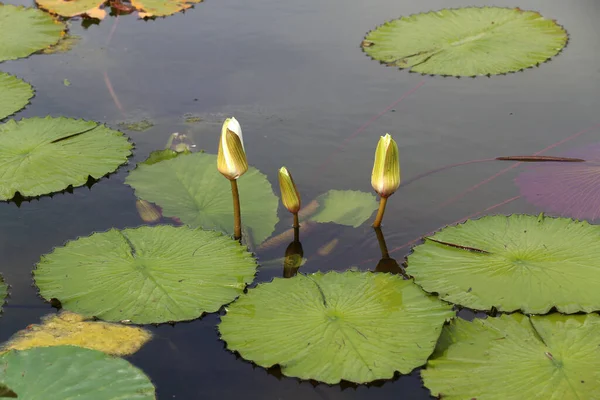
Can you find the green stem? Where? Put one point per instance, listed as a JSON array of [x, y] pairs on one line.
[[380, 212], [237, 217]]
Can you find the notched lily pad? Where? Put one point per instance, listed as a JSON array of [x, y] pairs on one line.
[[191, 188], [345, 207], [45, 155], [68, 372], [26, 30], [519, 262], [146, 275], [353, 326], [466, 41], [15, 94], [517, 357], [68, 328]]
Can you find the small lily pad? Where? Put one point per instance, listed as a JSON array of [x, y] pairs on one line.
[[519, 262], [517, 357], [25, 31], [161, 8], [69, 372], [68, 328], [73, 8], [191, 188], [146, 275], [355, 326], [466, 41], [45, 155], [345, 207], [15, 94]]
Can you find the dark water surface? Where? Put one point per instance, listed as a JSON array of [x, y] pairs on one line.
[[295, 77]]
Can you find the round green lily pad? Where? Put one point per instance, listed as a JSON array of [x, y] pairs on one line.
[[191, 188], [146, 275], [517, 262], [517, 357], [466, 41], [355, 326], [44, 155], [70, 372], [24, 31], [15, 94], [345, 207]]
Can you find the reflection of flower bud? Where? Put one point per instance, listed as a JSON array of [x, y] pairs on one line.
[[231, 160], [385, 177], [148, 212], [293, 259], [289, 194]]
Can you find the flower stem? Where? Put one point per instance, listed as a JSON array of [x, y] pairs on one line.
[[296, 223], [380, 212], [237, 217]]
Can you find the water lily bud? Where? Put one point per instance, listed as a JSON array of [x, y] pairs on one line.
[[231, 160], [385, 178], [289, 194]]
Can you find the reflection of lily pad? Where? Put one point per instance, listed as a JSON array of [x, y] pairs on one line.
[[72, 8], [524, 262], [69, 372], [44, 155], [146, 275], [466, 41], [161, 8], [190, 188], [516, 357], [15, 94], [568, 189], [356, 326], [345, 207], [25, 31], [68, 328], [3, 292]]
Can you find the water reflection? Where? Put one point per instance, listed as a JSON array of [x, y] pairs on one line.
[[294, 256], [386, 264]]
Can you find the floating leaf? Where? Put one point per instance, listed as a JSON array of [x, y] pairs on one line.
[[6, 392], [44, 155], [73, 8], [190, 188], [68, 328], [466, 41], [146, 275], [524, 262], [15, 94], [161, 155], [568, 189], [69, 372], [162, 8], [516, 357], [356, 326], [345, 207], [25, 31]]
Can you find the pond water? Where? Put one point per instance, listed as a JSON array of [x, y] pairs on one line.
[[307, 98]]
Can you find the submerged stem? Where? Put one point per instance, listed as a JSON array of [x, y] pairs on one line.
[[380, 212], [237, 217]]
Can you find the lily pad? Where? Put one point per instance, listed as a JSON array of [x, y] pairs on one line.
[[191, 188], [161, 8], [466, 41], [517, 357], [44, 155], [26, 30], [510, 263], [567, 189], [69, 372], [73, 8], [146, 275], [15, 94], [68, 328], [345, 207], [355, 326]]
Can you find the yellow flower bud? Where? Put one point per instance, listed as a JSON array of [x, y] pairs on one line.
[[385, 178], [289, 194], [231, 160]]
